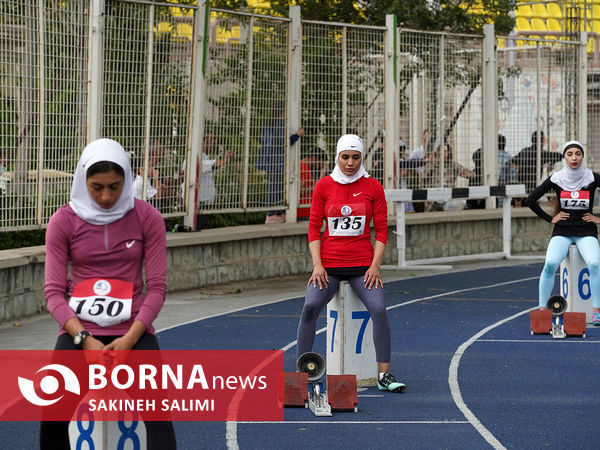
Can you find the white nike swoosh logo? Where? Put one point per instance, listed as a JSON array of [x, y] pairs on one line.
[[129, 244], [356, 195]]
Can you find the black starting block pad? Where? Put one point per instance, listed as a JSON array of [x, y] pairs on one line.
[[342, 393], [293, 389]]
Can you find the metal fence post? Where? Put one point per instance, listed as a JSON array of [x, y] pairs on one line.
[[582, 94], [95, 70], [41, 115], [294, 100], [149, 65], [490, 127], [196, 122], [391, 101]]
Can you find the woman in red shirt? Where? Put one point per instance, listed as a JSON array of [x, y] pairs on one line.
[[347, 201]]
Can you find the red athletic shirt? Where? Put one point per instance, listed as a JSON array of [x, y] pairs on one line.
[[347, 210]]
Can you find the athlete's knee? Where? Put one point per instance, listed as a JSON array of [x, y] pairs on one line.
[[549, 268], [309, 313]]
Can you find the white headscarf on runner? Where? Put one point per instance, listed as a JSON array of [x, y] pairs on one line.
[[81, 202], [348, 142], [572, 179]]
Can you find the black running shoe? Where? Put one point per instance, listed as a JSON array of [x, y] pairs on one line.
[[389, 383]]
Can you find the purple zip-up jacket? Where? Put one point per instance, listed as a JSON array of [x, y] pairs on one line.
[[117, 250]]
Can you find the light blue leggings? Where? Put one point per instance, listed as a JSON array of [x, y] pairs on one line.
[[558, 248]]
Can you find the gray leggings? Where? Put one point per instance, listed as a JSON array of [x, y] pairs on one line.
[[316, 299]]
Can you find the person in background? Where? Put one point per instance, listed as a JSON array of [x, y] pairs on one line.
[[271, 158], [507, 173], [525, 162], [312, 166], [574, 222], [105, 235], [346, 201]]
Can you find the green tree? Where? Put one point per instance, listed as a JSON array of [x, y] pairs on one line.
[[434, 15]]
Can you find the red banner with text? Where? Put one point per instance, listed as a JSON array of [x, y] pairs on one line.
[[179, 385]]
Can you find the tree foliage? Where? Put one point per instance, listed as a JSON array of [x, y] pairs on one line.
[[433, 15]]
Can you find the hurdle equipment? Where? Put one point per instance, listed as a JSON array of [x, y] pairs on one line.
[[575, 284], [342, 393], [313, 365], [293, 389], [402, 196], [350, 348]]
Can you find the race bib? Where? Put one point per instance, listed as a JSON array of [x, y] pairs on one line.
[[104, 301], [346, 220], [579, 200]]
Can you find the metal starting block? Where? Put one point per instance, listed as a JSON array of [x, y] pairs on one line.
[[558, 330], [293, 389], [317, 401], [341, 395], [556, 321]]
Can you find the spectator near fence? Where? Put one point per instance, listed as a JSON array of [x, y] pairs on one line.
[[271, 158], [205, 191], [526, 161], [313, 167]]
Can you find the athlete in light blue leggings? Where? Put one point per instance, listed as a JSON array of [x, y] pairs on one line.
[[574, 222], [558, 248]]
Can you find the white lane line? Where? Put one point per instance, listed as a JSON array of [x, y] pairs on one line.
[[362, 422], [231, 427], [455, 388]]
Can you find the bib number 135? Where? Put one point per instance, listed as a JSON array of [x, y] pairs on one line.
[[346, 225]]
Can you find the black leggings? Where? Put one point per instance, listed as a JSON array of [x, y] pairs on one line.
[[55, 435], [316, 299]]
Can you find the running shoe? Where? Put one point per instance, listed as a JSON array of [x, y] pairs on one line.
[[596, 319], [389, 383]]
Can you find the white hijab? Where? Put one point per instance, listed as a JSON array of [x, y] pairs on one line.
[[572, 179], [81, 202], [349, 142]]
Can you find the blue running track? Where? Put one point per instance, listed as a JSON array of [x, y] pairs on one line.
[[461, 342]]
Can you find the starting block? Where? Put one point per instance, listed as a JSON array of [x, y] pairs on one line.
[[313, 365], [557, 321], [541, 321], [342, 393], [293, 389], [574, 324]]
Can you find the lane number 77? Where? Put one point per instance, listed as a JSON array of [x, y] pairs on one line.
[[356, 315]]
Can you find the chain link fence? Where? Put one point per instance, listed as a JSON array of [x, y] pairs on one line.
[[440, 110], [269, 121], [538, 98]]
